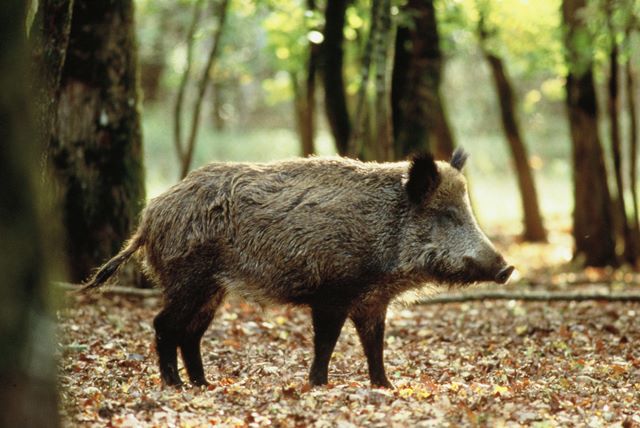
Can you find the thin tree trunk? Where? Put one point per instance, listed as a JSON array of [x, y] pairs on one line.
[[592, 214], [533, 227], [384, 131], [96, 149], [616, 151], [309, 116], [356, 139], [202, 89], [182, 88], [332, 64], [28, 396], [633, 156]]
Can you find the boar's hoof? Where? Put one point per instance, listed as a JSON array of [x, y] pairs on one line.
[[199, 382], [503, 276], [382, 384]]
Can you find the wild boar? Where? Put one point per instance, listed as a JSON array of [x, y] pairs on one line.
[[341, 236]]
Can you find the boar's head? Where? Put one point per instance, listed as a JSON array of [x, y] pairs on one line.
[[441, 237]]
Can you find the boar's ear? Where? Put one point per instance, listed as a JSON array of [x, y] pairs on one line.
[[423, 178], [459, 158]]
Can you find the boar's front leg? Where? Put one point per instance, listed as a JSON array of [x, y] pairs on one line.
[[369, 323], [327, 324]]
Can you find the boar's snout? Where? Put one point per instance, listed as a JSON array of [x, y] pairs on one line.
[[496, 270], [503, 276]]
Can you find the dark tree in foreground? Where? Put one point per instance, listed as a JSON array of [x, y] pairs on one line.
[[96, 149], [332, 54], [592, 215], [419, 117], [27, 365], [533, 227]]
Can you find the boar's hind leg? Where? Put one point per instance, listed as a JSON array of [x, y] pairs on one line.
[[327, 323], [190, 344], [370, 327], [182, 322]]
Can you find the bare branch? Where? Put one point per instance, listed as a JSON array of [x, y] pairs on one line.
[[202, 88]]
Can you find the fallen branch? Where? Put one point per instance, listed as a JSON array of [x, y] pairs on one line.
[[113, 289], [538, 296]]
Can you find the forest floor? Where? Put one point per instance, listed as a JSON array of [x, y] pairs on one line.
[[478, 363]]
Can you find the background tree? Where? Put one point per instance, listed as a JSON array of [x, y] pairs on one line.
[[28, 396], [96, 149], [592, 215], [332, 59], [533, 226], [415, 94]]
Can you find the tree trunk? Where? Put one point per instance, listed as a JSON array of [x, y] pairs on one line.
[[415, 100], [28, 395], [533, 227], [633, 156], [152, 68], [332, 61], [356, 141], [97, 147], [616, 151], [592, 214], [384, 131], [309, 114], [441, 133], [50, 39]]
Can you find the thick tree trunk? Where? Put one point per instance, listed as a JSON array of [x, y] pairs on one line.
[[592, 214], [50, 37], [416, 104], [441, 132], [28, 395], [533, 227], [332, 61], [97, 147]]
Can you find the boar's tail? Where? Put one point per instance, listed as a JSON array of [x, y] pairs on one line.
[[111, 267]]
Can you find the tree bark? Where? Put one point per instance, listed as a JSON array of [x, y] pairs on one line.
[[96, 149], [332, 64], [28, 396], [308, 132], [592, 214], [534, 230], [50, 39], [383, 121], [418, 114]]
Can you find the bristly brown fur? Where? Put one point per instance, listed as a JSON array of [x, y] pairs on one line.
[[339, 235]]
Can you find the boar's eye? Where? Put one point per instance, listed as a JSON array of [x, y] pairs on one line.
[[451, 217]]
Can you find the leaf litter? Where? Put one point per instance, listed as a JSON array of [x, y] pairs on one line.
[[491, 363]]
